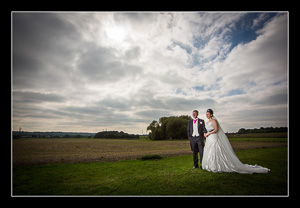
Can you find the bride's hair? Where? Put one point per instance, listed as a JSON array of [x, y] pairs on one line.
[[210, 111]]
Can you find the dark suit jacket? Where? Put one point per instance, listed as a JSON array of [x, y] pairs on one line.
[[201, 129]]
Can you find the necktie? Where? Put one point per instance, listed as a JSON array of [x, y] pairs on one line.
[[195, 120]]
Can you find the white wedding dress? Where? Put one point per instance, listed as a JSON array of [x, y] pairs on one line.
[[219, 156]]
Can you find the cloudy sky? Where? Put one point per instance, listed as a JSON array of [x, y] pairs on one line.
[[85, 72]]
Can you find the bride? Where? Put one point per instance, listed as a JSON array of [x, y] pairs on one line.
[[218, 153]]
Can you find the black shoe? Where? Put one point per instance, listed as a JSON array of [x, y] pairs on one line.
[[195, 167]]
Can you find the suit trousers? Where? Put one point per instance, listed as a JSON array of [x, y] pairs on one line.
[[196, 147]]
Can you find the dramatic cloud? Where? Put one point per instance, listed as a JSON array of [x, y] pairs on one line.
[[119, 71]]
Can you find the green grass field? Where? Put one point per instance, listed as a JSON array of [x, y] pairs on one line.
[[167, 176]]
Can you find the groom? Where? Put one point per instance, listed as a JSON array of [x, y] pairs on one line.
[[196, 129]]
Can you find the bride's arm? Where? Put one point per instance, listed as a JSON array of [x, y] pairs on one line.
[[215, 124]]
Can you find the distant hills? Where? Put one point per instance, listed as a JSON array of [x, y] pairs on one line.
[[52, 134], [263, 130], [59, 134], [116, 134]]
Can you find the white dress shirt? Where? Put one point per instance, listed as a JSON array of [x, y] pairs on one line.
[[195, 128]]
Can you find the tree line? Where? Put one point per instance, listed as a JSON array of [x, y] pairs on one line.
[[115, 135], [263, 130], [174, 127]]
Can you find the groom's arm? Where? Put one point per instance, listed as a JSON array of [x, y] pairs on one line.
[[188, 130]]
